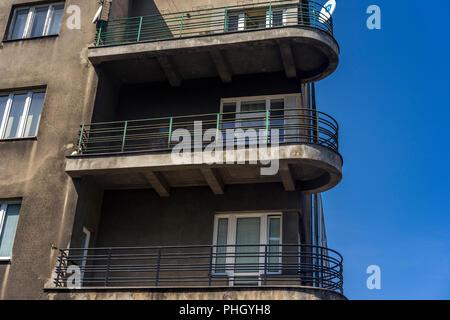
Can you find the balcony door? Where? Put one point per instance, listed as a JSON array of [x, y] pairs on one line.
[[241, 252], [246, 113]]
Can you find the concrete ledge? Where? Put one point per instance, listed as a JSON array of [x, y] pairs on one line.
[[317, 168], [194, 293], [311, 47]]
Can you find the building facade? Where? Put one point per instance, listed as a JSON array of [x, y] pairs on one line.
[[166, 150]]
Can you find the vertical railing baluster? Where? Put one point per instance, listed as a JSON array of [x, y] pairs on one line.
[[108, 265], [140, 28], [99, 34], [270, 14], [265, 264], [158, 267], [170, 132], [217, 128], [181, 26], [225, 27], [267, 125], [124, 135], [317, 126], [80, 141], [211, 253]]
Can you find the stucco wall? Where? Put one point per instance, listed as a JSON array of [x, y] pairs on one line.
[[33, 169]]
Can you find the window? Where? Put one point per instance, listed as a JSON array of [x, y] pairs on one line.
[[36, 21], [239, 21], [241, 240], [9, 217], [250, 113], [20, 114]]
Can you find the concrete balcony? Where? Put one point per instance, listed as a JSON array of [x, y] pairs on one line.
[[296, 147], [264, 37]]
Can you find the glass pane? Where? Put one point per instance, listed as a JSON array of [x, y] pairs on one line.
[[274, 241], [56, 19], [233, 22], [8, 231], [34, 114], [222, 233], [253, 106], [15, 115], [39, 17], [277, 18], [248, 235], [3, 102], [229, 115], [19, 24], [277, 116]]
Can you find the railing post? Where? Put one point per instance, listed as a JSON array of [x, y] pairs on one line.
[[170, 132], [265, 264], [80, 141], [108, 264], [211, 253], [317, 126], [99, 34], [217, 128], [158, 266], [124, 135], [181, 26], [314, 16], [225, 25], [270, 14], [140, 28], [267, 125]]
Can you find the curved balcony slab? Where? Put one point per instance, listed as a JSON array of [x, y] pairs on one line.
[[306, 53], [311, 168]]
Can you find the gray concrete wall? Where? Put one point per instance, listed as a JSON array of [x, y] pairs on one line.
[[33, 169], [150, 100], [142, 218]]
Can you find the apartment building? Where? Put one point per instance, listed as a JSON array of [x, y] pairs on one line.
[[167, 149]]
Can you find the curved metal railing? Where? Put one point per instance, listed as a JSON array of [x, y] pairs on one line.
[[157, 27], [253, 129], [201, 265]]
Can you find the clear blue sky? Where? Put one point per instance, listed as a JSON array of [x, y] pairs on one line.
[[390, 97]]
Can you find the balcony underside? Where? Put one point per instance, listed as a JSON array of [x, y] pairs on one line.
[[306, 53], [310, 168]]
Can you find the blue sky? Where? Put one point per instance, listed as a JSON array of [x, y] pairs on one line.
[[390, 97]]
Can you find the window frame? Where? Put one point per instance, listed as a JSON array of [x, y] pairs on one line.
[[3, 210], [231, 240], [30, 20], [242, 17], [25, 112]]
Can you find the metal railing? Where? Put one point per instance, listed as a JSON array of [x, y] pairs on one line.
[[293, 125], [157, 27], [201, 265]]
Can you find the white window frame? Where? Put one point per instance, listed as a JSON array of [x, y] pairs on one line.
[[24, 118], [30, 19], [241, 20], [3, 211], [231, 240]]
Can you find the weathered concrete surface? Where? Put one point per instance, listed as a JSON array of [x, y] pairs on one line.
[[212, 293], [33, 169], [317, 168], [315, 55]]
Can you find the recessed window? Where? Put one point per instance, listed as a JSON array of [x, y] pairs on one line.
[[36, 21], [241, 241], [9, 217], [239, 21], [20, 114]]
